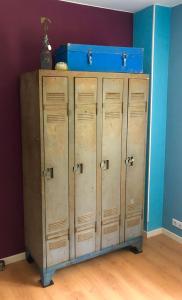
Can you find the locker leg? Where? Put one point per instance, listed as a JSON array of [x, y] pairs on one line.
[[137, 247], [29, 258], [46, 278]]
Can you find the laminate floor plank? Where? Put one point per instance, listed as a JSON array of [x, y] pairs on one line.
[[155, 274]]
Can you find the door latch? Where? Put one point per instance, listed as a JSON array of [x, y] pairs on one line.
[[105, 164], [124, 59], [130, 161], [78, 168], [48, 173], [90, 57]]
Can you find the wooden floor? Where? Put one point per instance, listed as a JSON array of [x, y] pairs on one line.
[[155, 274]]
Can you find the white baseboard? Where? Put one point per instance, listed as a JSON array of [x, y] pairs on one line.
[[154, 232], [172, 235], [164, 231], [14, 258]]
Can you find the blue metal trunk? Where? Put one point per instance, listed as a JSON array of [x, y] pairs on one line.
[[100, 58]]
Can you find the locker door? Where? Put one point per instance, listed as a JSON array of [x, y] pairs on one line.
[[111, 160], [136, 144], [85, 164], [55, 100]]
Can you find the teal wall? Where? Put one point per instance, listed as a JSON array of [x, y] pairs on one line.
[[173, 173], [152, 32], [142, 34]]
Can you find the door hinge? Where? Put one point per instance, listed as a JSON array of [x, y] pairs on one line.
[[96, 108], [122, 108], [67, 109]]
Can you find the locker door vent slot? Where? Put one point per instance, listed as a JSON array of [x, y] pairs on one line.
[[137, 110], [85, 116], [137, 105], [112, 115], [136, 114], [85, 236], [53, 98], [57, 225], [138, 96], [86, 97], [110, 220], [113, 97], [133, 222], [134, 207], [85, 218], [110, 229], [56, 118], [57, 234], [58, 244], [111, 212]]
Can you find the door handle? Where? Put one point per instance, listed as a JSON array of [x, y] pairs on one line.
[[105, 164], [48, 173], [130, 161], [78, 168]]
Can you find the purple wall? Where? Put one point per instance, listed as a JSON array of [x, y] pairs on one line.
[[20, 36]]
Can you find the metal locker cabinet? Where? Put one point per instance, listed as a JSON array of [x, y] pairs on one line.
[[111, 159], [55, 103], [136, 145], [76, 185], [85, 164]]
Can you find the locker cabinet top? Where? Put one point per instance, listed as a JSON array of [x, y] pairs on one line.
[[42, 72]]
